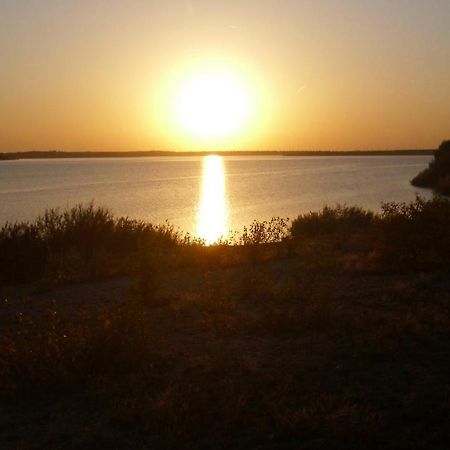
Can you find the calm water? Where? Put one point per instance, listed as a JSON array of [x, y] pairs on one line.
[[206, 196]]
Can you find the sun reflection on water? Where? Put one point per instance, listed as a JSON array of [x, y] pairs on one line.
[[212, 216]]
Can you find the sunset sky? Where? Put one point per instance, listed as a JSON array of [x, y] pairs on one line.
[[109, 75]]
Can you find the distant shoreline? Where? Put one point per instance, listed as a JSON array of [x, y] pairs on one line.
[[139, 154]]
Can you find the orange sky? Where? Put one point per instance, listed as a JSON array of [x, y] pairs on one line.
[[100, 75]]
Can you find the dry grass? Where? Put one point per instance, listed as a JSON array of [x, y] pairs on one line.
[[311, 342], [238, 358]]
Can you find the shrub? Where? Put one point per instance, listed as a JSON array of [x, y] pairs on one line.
[[330, 220], [416, 233], [22, 252], [274, 230], [443, 185], [437, 174], [413, 235], [79, 242]]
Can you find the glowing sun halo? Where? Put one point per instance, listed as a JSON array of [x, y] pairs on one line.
[[212, 104]]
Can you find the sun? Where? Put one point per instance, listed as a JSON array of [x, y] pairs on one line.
[[212, 104]]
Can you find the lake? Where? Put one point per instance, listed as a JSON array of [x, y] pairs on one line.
[[206, 196]]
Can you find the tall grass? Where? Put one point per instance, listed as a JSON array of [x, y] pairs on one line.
[[81, 242], [340, 219], [87, 242], [414, 235]]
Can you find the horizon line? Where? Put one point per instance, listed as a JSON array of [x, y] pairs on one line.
[[63, 153]]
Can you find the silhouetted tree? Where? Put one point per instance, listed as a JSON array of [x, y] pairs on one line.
[[437, 174]]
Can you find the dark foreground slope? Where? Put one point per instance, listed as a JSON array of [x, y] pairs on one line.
[[336, 337]]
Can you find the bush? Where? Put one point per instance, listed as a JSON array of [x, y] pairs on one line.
[[22, 252], [437, 174], [80, 242], [416, 234], [266, 232], [87, 242], [443, 185], [413, 235], [330, 220]]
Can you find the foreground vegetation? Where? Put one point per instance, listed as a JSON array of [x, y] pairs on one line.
[[437, 174], [88, 242], [331, 332]]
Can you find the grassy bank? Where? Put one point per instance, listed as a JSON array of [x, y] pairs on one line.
[[88, 242], [332, 332]]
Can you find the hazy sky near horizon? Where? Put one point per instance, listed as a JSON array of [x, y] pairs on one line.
[[323, 74]]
